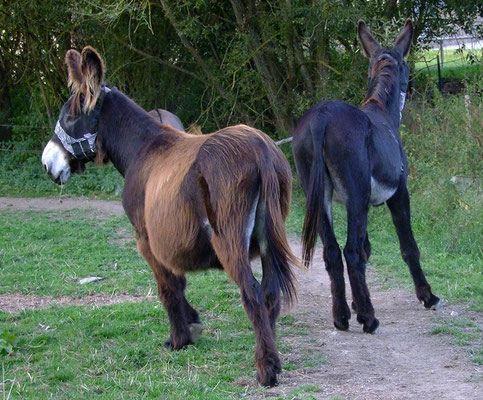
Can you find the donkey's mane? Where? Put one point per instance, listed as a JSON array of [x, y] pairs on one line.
[[382, 84], [85, 71]]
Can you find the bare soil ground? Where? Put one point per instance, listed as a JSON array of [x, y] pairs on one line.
[[404, 361], [19, 302]]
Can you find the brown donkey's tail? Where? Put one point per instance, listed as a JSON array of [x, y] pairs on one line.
[[314, 194], [282, 257]]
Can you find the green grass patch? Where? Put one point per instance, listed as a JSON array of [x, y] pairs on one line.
[[465, 333], [457, 64], [451, 57], [303, 392], [114, 352], [45, 253]]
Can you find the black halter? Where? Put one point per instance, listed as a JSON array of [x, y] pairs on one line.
[[78, 133]]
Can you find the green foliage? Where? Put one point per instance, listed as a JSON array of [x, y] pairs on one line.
[[7, 342], [214, 63]]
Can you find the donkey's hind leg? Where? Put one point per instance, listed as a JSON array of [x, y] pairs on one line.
[[331, 249], [270, 285], [236, 263], [270, 290], [355, 257], [367, 251], [182, 317], [400, 211], [335, 268]]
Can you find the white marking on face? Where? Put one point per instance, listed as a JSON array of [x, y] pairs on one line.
[[379, 192], [251, 221], [402, 99], [55, 161]]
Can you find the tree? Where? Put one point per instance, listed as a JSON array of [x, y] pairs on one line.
[[211, 62]]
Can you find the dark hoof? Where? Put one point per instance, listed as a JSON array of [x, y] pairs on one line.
[[341, 318], [271, 382], [176, 345], [372, 328], [168, 344], [433, 303], [354, 308], [267, 370], [342, 324]]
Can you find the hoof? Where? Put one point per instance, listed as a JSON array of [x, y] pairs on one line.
[[168, 344], [433, 303], [267, 370], [271, 382], [342, 314], [196, 329], [342, 324], [372, 328], [176, 345], [354, 308]]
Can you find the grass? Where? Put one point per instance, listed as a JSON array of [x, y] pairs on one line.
[[452, 58], [52, 250], [465, 333], [458, 64]]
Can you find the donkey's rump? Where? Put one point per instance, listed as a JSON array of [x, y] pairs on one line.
[[190, 198]]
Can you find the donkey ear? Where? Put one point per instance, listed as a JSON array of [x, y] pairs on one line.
[[92, 68], [403, 41], [73, 62], [369, 44]]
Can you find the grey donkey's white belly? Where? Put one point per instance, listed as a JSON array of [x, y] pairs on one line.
[[380, 193]]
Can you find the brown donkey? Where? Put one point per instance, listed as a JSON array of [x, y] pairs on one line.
[[196, 201]]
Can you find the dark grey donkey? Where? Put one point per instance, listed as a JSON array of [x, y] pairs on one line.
[[358, 152], [167, 118]]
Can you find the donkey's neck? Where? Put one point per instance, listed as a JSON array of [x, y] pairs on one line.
[[384, 95], [125, 130]]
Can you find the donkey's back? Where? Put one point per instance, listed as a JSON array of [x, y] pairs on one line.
[[354, 144]]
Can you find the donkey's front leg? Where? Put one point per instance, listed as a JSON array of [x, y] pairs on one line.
[[171, 293], [401, 216]]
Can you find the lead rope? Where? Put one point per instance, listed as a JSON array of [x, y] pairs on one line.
[[60, 192], [282, 141]]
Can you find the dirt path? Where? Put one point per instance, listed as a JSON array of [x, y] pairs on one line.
[[403, 362], [56, 204]]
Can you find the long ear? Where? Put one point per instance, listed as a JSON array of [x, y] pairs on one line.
[[403, 41], [369, 44], [93, 72], [73, 62]]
